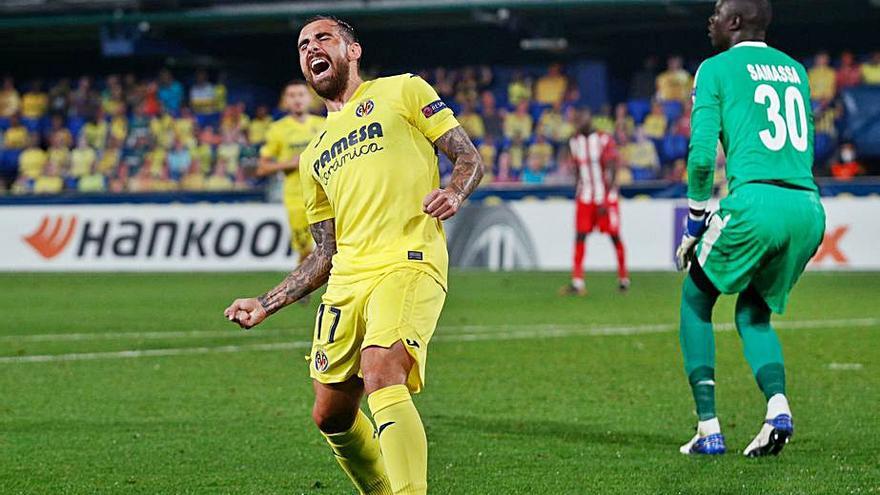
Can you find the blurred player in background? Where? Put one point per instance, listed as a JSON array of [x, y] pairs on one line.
[[597, 207], [285, 140], [371, 185], [766, 230]]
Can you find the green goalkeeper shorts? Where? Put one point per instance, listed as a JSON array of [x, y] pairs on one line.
[[762, 235]]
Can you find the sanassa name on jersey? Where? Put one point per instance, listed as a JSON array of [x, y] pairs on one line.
[[433, 108], [776, 73], [345, 148]]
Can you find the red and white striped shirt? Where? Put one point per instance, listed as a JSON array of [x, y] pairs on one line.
[[593, 155]]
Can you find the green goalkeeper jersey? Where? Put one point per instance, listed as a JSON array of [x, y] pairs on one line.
[[757, 99]]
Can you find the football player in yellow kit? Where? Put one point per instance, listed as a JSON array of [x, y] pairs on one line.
[[285, 140], [371, 187]]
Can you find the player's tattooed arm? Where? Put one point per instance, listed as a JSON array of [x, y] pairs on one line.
[[311, 274], [467, 173]]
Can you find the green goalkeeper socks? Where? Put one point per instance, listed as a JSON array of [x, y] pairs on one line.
[[760, 343], [698, 346]]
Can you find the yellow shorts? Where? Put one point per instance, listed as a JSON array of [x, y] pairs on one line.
[[401, 305], [300, 236]]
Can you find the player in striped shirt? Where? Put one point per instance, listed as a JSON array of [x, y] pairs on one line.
[[596, 160]]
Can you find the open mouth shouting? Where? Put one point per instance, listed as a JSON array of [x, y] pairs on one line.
[[319, 65]]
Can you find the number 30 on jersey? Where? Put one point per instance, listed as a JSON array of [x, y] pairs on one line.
[[792, 126]]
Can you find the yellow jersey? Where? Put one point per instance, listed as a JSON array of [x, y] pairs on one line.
[[370, 168], [286, 138]]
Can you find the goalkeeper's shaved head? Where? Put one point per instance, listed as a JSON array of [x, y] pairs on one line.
[[739, 20]]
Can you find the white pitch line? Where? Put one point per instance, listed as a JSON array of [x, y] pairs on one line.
[[235, 333], [478, 333]]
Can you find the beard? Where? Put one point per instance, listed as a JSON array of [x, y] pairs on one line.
[[332, 87]]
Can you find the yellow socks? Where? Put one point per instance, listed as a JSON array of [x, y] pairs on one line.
[[402, 439], [357, 452]]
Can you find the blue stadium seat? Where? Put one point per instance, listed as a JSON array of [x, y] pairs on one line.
[[674, 147], [823, 146], [536, 109], [208, 119], [643, 173], [4, 123], [673, 110], [32, 125], [74, 124], [639, 109]]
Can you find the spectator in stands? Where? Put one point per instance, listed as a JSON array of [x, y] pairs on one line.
[[603, 121], [642, 85], [185, 126], [488, 149], [467, 89], [135, 92], [847, 166], [194, 180], [519, 89], [514, 155], [49, 181], [641, 156], [550, 123], [471, 121], [170, 92], [551, 87], [118, 181], [32, 159], [58, 133], [119, 125], [259, 126], [96, 130], [535, 173], [219, 179], [59, 151], [624, 125], [493, 121], [35, 102], [656, 122], [822, 79], [113, 98], [110, 157], [221, 93], [156, 158], [135, 153], [682, 126], [139, 124], [151, 103], [486, 77], [235, 120], [10, 100], [162, 129], [142, 181], [443, 83], [203, 152], [82, 158], [92, 182], [871, 70], [202, 94], [850, 72], [229, 152], [84, 100], [541, 152], [179, 159], [59, 97], [675, 83], [16, 135], [519, 123], [162, 181], [569, 125]]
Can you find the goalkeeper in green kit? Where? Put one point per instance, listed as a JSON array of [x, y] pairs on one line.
[[757, 99]]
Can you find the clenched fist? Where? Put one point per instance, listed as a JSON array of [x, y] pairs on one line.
[[442, 203], [246, 312]]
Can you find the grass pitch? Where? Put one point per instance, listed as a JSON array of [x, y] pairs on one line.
[[122, 383]]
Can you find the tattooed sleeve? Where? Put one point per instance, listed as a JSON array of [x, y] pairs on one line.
[[311, 273], [468, 166]]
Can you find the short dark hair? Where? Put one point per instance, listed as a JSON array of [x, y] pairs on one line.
[[344, 27]]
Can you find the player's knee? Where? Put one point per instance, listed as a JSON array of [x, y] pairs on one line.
[[385, 367], [580, 237], [333, 419]]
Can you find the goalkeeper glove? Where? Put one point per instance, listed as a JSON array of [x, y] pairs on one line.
[[697, 222]]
